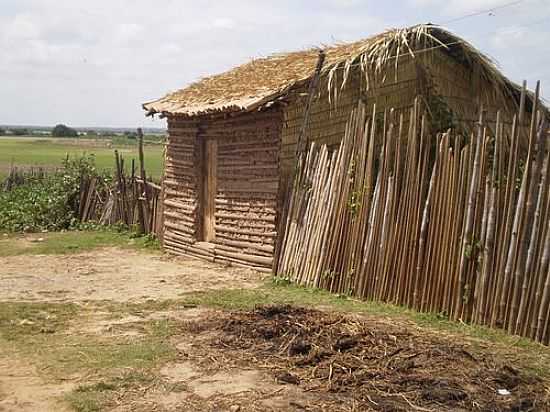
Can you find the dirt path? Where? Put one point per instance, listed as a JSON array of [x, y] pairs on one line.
[[102, 275], [113, 274], [23, 390]]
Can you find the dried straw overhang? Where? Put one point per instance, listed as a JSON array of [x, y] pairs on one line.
[[262, 81]]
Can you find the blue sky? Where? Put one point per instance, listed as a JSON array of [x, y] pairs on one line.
[[92, 63]]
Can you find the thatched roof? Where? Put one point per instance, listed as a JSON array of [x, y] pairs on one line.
[[260, 81]]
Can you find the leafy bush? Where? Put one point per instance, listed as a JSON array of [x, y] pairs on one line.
[[47, 203]]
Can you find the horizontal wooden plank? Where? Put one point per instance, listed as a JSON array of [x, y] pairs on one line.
[[245, 258], [237, 216], [229, 229]]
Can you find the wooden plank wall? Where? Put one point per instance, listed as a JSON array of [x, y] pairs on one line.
[[181, 186], [247, 188]]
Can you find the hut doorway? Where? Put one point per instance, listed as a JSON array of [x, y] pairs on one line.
[[209, 180]]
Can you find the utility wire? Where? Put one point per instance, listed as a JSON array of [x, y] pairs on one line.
[[446, 45], [479, 13]]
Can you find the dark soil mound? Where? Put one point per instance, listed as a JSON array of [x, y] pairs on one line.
[[367, 365]]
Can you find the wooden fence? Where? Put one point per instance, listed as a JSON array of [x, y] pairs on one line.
[[130, 199], [460, 227]]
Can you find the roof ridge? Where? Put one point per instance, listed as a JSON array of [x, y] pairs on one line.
[[244, 87]]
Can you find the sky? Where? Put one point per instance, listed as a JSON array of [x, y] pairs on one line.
[[93, 63]]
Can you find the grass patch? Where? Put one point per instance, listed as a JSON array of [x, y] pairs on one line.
[[20, 322], [49, 153], [39, 331], [137, 358], [96, 397], [55, 243], [98, 354]]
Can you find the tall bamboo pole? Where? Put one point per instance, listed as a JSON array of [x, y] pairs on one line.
[[525, 213], [467, 239]]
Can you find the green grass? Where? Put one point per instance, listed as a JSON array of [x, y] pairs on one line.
[[20, 321], [95, 397], [48, 152], [142, 353], [39, 332], [56, 243]]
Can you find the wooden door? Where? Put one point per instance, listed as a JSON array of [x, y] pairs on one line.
[[209, 190]]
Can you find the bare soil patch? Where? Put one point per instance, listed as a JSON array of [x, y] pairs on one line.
[[23, 390], [113, 274], [356, 364]]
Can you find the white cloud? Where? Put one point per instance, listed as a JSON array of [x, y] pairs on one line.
[[223, 23], [22, 27], [126, 33], [88, 63]]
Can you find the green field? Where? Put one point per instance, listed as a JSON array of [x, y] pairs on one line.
[[50, 152]]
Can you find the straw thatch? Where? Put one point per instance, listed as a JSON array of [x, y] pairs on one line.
[[261, 81]]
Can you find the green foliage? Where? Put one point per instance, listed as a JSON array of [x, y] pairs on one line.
[[472, 248], [20, 132], [45, 203], [354, 202], [442, 117], [64, 131], [2, 132], [38, 205]]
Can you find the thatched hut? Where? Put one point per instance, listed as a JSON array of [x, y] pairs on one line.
[[233, 136]]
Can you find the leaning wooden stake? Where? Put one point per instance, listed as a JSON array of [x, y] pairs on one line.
[[489, 243], [143, 189], [469, 225]]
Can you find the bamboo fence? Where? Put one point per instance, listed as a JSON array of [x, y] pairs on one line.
[[457, 225]]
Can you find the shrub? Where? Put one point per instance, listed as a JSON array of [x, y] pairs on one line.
[[45, 203]]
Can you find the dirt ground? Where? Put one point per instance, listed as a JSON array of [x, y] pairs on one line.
[[103, 330], [112, 274]]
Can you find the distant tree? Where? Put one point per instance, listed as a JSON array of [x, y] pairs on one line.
[[2, 132], [130, 135], [64, 131], [20, 132]]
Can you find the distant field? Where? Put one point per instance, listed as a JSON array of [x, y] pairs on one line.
[[50, 152]]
